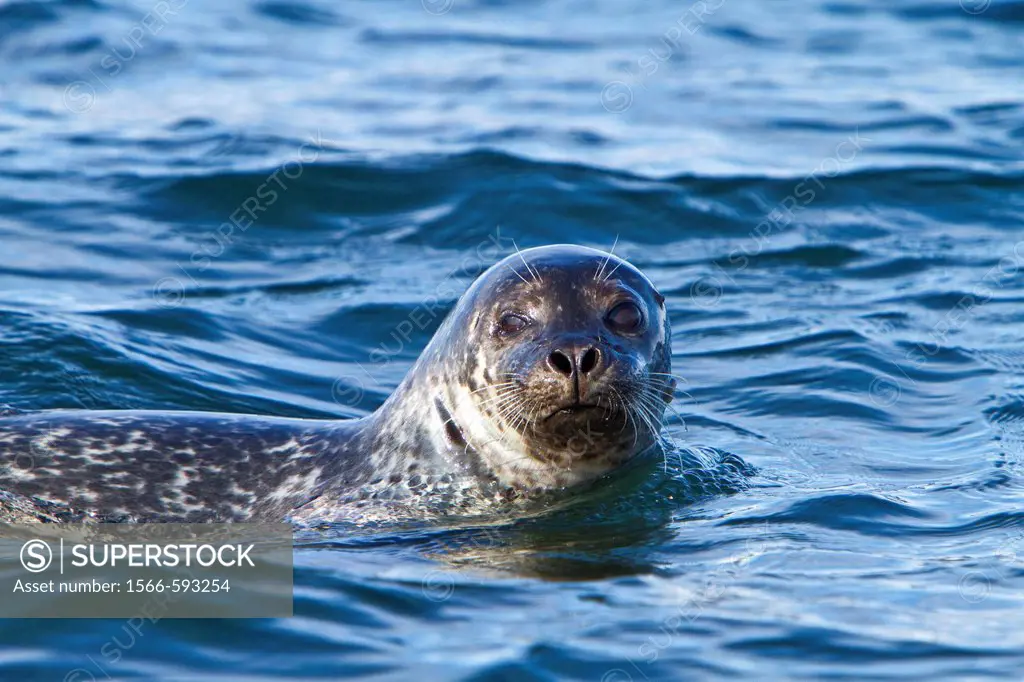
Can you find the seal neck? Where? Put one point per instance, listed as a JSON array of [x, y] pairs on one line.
[[425, 419]]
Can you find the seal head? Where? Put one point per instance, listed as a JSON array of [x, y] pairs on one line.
[[554, 367]]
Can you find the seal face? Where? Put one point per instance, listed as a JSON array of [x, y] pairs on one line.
[[553, 369], [560, 366]]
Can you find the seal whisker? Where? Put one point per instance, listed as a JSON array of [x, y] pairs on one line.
[[507, 408], [499, 405], [650, 416], [636, 427], [653, 403], [510, 407], [667, 378], [522, 417], [664, 449], [494, 386], [514, 271], [645, 401], [612, 271], [503, 438], [604, 263], [625, 408], [610, 410], [501, 390], [535, 412], [629, 415], [533, 274], [648, 419], [524, 410], [686, 394], [668, 374], [652, 400], [530, 407], [498, 395], [507, 392], [497, 401], [509, 411], [655, 400], [679, 414], [504, 428], [664, 384]]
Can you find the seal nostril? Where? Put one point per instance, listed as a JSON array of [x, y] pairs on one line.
[[589, 360], [560, 362]]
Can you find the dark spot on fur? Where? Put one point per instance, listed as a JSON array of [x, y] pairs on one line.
[[452, 431], [454, 434]]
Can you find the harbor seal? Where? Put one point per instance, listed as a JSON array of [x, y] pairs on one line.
[[553, 369]]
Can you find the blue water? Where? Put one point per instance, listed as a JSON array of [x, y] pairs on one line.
[[831, 195]]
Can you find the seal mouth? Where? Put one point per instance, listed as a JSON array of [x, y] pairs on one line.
[[573, 409]]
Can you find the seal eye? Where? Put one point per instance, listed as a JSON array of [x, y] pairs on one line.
[[625, 317], [512, 323]]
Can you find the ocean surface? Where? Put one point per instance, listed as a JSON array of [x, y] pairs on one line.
[[240, 206]]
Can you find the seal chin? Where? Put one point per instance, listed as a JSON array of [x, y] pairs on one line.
[[581, 430]]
